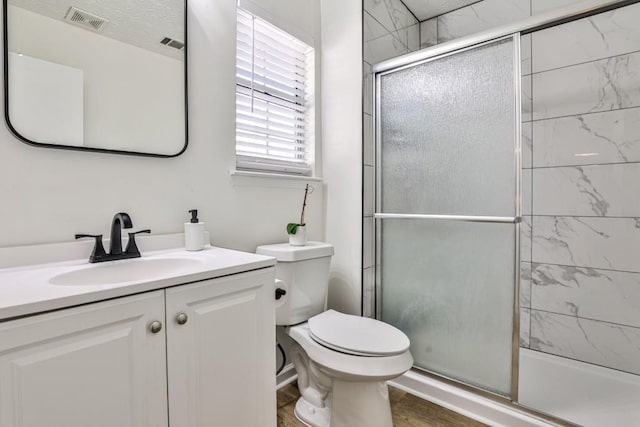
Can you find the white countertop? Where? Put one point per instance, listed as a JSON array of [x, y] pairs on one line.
[[27, 289]]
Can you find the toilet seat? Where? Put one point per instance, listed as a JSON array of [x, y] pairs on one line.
[[357, 335], [349, 367]]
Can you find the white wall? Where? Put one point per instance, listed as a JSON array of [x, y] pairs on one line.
[[342, 148], [131, 95], [48, 195]]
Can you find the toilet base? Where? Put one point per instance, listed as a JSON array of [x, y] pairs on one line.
[[351, 404], [311, 415], [360, 404]]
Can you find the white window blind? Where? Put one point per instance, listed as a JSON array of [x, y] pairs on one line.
[[272, 102]]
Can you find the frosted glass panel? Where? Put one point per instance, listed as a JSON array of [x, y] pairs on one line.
[[450, 287], [448, 134]]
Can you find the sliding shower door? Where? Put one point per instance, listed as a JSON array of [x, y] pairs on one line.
[[447, 210]]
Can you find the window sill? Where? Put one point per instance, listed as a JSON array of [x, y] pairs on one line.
[[240, 177]]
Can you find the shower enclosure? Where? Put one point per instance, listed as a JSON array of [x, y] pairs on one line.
[[448, 209], [507, 207]]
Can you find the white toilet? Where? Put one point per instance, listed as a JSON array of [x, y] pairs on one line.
[[342, 360]]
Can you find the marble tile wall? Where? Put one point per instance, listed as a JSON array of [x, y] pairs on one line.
[[585, 186], [483, 15], [390, 30], [580, 271]]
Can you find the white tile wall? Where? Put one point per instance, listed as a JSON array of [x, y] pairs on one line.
[[409, 36], [601, 36], [385, 47], [429, 33], [587, 292], [526, 98], [525, 326], [525, 285], [392, 14], [389, 30], [608, 243], [425, 9], [373, 29], [525, 54], [413, 37], [602, 85], [600, 190], [527, 145], [602, 343], [599, 138], [367, 88], [480, 16], [526, 191], [541, 6], [525, 238]]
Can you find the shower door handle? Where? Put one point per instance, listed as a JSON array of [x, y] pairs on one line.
[[464, 218]]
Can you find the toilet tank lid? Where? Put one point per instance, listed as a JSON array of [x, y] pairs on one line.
[[284, 252]]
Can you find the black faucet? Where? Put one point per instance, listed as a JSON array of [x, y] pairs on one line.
[[120, 220]]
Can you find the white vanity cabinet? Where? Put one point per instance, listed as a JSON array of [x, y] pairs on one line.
[[94, 365], [222, 360], [106, 364]]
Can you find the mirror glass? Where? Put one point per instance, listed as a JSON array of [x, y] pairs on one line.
[[104, 75]]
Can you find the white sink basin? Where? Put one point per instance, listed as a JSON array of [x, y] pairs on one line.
[[126, 271], [40, 278]]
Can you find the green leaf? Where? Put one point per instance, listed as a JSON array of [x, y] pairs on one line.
[[292, 228]]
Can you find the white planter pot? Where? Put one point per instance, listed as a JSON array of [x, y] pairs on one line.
[[300, 238]]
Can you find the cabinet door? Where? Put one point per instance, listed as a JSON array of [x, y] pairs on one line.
[[96, 365], [221, 362]]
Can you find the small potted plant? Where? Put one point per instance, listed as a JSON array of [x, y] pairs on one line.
[[298, 231]]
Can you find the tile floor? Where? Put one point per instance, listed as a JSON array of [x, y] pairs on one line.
[[408, 411]]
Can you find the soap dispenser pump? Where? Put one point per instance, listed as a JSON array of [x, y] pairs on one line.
[[194, 233]]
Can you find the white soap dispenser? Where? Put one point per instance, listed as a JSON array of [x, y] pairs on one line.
[[194, 233]]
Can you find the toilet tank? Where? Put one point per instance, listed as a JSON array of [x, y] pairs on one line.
[[303, 271]]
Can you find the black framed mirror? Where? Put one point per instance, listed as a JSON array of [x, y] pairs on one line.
[[97, 75]]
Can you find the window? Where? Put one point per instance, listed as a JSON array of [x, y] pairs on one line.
[[273, 131]]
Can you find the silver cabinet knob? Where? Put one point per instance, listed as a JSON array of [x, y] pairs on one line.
[[155, 327], [182, 318]]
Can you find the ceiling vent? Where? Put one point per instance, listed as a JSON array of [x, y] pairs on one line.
[[85, 19], [167, 41]]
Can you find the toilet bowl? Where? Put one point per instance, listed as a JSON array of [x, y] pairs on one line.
[[342, 361], [344, 385]]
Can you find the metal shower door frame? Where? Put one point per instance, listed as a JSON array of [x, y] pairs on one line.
[[516, 219]]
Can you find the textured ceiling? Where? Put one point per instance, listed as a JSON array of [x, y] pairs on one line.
[[142, 23], [425, 9]]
